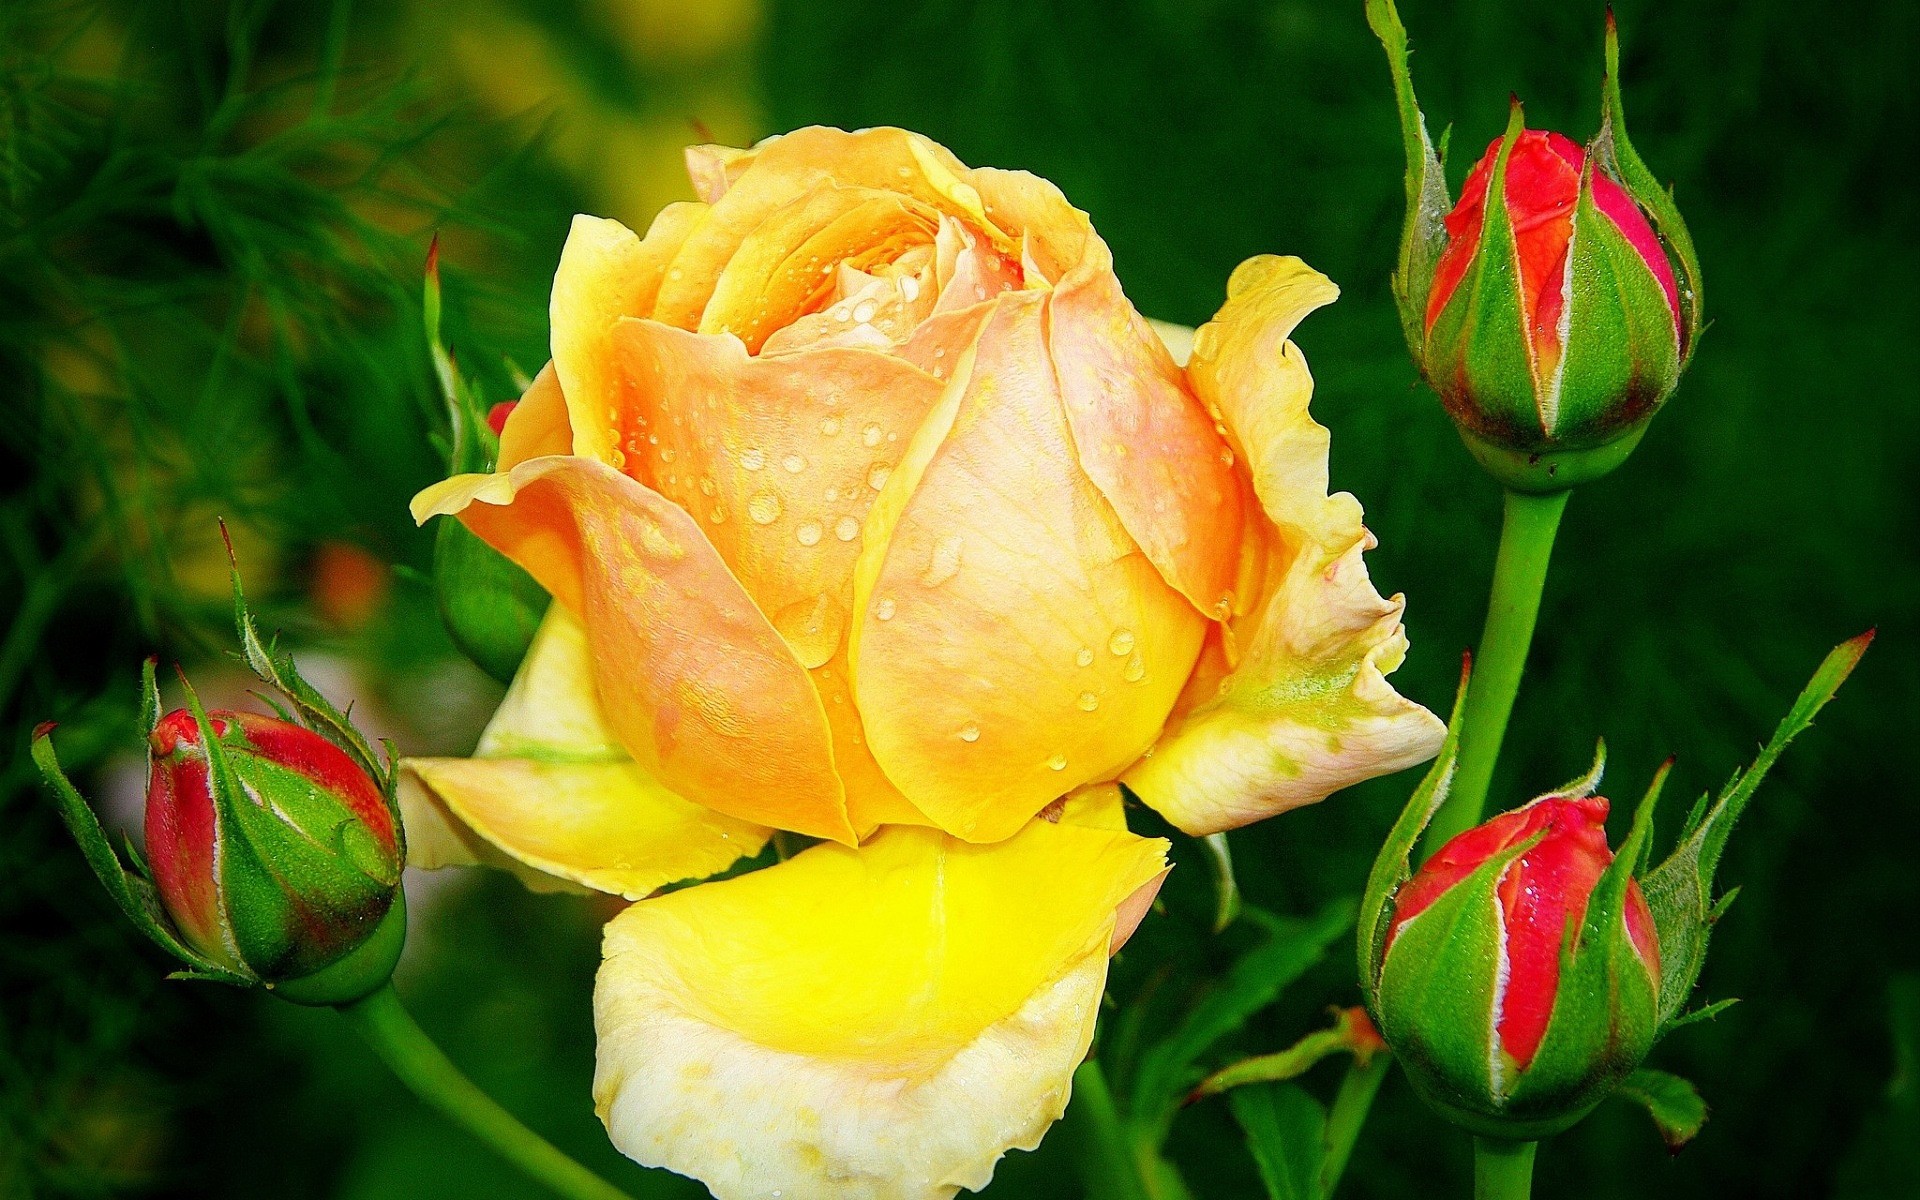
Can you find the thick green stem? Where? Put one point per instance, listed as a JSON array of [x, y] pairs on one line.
[[1526, 546], [1502, 1170], [1351, 1104], [404, 1047]]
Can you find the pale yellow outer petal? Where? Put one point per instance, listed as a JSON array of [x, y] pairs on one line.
[[1305, 708], [550, 795], [881, 1022]]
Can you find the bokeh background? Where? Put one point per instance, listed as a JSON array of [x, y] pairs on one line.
[[212, 222]]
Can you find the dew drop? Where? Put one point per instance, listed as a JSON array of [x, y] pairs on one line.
[[863, 312], [846, 529], [1088, 702], [833, 494], [910, 288], [945, 563], [1226, 457], [706, 486], [1084, 658], [841, 313], [884, 609], [1121, 642], [872, 434], [764, 508], [719, 514], [794, 464], [939, 351], [809, 534], [676, 273], [1136, 669], [667, 454], [969, 732], [877, 477], [1057, 763], [830, 426], [753, 458]]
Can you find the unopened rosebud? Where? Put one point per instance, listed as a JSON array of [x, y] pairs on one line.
[[1544, 306], [1516, 988], [273, 852]]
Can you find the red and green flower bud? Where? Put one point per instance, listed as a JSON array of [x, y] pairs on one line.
[[274, 854], [1521, 975], [1544, 306]]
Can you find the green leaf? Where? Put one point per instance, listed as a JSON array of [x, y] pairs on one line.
[[1167, 1070], [1673, 1103], [1679, 891], [1392, 866], [1424, 235], [134, 895], [1286, 1134]]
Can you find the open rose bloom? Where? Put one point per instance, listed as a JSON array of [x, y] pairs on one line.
[[873, 512]]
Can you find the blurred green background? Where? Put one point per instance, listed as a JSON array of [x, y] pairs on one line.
[[213, 222]]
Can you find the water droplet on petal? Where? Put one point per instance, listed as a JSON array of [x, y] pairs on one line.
[[719, 514], [910, 288], [706, 486], [1088, 702], [794, 464], [753, 459], [945, 563], [1084, 658], [1136, 669], [666, 454], [1057, 763], [846, 529], [877, 477], [969, 732], [1121, 643], [809, 534], [884, 609], [863, 312], [830, 426], [872, 434], [764, 508]]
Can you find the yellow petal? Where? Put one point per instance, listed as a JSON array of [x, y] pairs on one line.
[[606, 273], [1011, 641], [694, 681], [965, 981], [550, 791], [784, 168], [538, 425], [1306, 708]]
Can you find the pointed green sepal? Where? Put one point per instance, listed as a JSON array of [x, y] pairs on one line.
[[1622, 357], [1679, 891], [1351, 1033], [1618, 158], [275, 668], [1435, 1002], [1393, 865], [1424, 234], [131, 892], [1478, 353]]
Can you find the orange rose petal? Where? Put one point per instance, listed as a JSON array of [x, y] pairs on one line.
[[1291, 702], [872, 799], [538, 425], [606, 273], [786, 267], [779, 457], [783, 168], [1144, 439], [1011, 641], [695, 682]]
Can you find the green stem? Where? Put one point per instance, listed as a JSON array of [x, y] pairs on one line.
[[1519, 573], [1502, 1170], [1351, 1104], [432, 1076], [1107, 1164]]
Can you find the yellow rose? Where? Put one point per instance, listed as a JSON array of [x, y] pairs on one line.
[[875, 513]]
